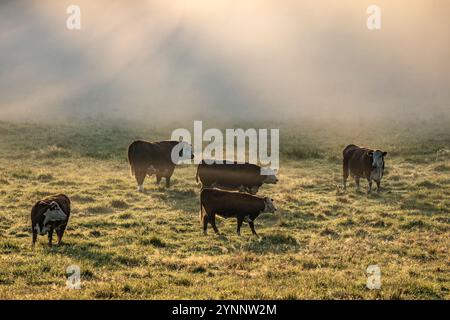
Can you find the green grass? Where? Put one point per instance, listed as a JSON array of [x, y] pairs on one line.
[[150, 245]]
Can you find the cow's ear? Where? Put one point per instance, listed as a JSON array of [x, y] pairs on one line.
[[43, 203], [384, 154], [54, 205]]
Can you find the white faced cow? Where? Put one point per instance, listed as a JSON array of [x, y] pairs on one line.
[[363, 163]]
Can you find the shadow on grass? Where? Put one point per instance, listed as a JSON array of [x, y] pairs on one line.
[[90, 252], [275, 243], [181, 199], [423, 207]]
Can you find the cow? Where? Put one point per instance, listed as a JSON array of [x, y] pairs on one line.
[[148, 158], [363, 163], [49, 214], [228, 204], [231, 175]]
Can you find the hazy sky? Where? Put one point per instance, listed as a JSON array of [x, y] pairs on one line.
[[236, 58]]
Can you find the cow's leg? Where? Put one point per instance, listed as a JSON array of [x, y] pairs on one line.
[[60, 233], [239, 224], [50, 237], [168, 175], [167, 181], [369, 181], [34, 238], [212, 220], [252, 226], [378, 186], [140, 177], [158, 179], [357, 183], [345, 173], [205, 223]]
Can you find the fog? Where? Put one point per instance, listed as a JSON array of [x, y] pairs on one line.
[[208, 59]]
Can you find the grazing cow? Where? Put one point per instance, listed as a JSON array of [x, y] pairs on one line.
[[50, 214], [244, 177], [147, 158], [363, 163], [228, 204]]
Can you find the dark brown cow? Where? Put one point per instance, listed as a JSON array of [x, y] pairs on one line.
[[244, 177], [49, 214], [363, 163], [228, 204], [147, 158]]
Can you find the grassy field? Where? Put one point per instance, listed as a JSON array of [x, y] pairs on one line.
[[150, 245]]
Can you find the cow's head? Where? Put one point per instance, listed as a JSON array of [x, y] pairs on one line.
[[377, 159], [186, 151], [53, 217], [182, 152], [270, 176], [268, 205], [253, 190]]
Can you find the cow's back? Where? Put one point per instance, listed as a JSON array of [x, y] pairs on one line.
[[140, 152], [230, 203], [231, 175], [144, 153], [358, 160]]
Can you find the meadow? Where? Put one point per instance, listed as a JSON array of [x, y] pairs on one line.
[[150, 245]]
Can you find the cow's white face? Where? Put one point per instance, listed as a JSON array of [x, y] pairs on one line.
[[271, 179], [53, 216], [377, 164], [378, 159], [182, 152], [270, 175], [186, 151], [268, 205]]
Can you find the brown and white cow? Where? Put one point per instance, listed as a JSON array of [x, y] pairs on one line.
[[148, 158], [244, 177], [48, 215], [363, 163], [229, 204]]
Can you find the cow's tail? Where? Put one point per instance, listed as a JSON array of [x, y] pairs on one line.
[[201, 210], [130, 159], [196, 175]]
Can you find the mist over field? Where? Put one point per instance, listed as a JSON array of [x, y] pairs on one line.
[[73, 104], [183, 60]]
